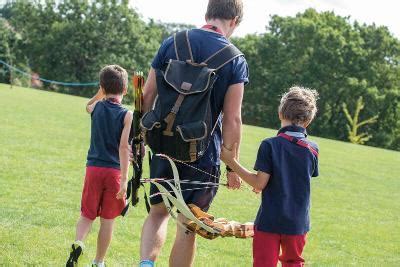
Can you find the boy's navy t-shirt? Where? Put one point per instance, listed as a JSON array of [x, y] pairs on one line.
[[204, 44], [106, 129], [285, 206]]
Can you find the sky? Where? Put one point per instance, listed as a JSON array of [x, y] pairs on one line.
[[257, 12]]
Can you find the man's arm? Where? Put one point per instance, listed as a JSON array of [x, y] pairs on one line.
[[232, 120], [93, 101], [124, 154], [149, 91], [258, 181], [232, 125]]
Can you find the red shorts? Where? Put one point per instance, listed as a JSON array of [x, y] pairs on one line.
[[266, 248], [99, 193]]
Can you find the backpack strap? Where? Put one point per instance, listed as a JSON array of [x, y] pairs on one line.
[[299, 142], [223, 57], [183, 51]]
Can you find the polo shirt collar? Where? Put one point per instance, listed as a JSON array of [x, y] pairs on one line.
[[294, 130]]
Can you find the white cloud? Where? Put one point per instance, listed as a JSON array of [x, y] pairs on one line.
[[257, 12]]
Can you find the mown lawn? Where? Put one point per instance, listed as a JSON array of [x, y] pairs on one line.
[[44, 138]]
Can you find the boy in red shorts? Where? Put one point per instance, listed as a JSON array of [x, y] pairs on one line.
[[284, 165], [107, 163]]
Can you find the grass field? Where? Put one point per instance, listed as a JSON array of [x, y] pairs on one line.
[[44, 139]]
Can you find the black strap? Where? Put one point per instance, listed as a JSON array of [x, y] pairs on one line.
[[183, 50], [223, 57]]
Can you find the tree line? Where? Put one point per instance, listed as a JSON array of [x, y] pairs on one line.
[[345, 61]]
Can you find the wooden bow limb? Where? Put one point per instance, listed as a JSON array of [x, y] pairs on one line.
[[178, 201], [180, 205], [167, 203]]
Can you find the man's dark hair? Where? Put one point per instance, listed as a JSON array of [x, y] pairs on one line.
[[225, 9], [113, 79]]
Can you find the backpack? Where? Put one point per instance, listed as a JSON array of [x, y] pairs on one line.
[[180, 124]]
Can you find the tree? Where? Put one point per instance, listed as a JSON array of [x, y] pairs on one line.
[[71, 40], [328, 53], [354, 123]]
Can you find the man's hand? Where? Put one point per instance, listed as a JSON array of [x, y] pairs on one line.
[[122, 188], [234, 181]]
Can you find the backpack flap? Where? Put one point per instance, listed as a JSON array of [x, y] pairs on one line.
[[149, 121], [187, 77], [193, 135], [193, 131], [151, 126]]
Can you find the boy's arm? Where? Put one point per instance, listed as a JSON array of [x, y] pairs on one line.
[[257, 181], [124, 154], [93, 101]]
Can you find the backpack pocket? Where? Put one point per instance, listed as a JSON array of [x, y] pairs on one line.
[[193, 140], [193, 131], [151, 126]]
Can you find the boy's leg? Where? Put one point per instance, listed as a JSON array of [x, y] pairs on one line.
[[83, 228], [292, 248], [104, 238], [184, 248], [154, 232], [265, 249], [110, 208]]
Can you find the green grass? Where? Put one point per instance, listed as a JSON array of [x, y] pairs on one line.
[[44, 139]]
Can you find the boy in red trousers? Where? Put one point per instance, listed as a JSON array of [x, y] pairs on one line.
[[107, 163], [284, 165]]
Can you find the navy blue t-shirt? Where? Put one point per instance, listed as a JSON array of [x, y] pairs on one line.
[[106, 129], [285, 205], [204, 44]]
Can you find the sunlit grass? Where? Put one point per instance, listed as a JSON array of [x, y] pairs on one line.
[[44, 139]]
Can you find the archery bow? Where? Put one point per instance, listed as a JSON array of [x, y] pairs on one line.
[[136, 140], [178, 201], [198, 221]]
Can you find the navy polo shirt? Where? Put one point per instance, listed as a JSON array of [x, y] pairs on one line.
[[106, 130], [285, 206], [204, 44]]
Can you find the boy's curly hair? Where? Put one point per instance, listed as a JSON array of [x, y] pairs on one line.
[[113, 79], [299, 105]]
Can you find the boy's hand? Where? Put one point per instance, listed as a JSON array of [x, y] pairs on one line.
[[122, 189], [100, 93], [227, 155], [234, 181]]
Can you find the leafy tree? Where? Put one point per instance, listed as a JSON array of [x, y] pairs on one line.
[[71, 40], [354, 123], [340, 59], [9, 42]]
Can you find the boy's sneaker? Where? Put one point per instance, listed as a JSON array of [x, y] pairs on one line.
[[76, 251], [98, 264]]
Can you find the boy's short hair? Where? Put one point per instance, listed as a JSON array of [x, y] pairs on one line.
[[113, 79], [225, 9], [299, 105]]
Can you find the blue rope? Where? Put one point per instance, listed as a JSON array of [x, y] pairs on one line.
[[46, 80]]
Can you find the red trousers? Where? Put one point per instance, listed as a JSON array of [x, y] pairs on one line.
[[266, 248]]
